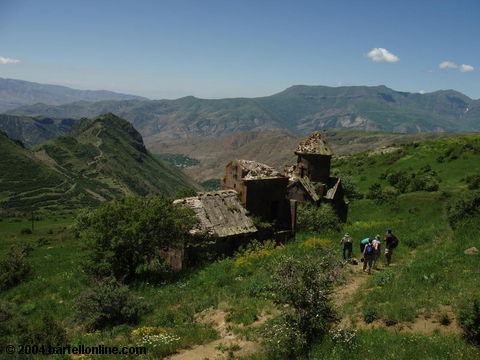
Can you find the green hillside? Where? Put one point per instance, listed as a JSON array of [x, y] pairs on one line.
[[445, 161], [414, 310], [103, 159], [26, 181]]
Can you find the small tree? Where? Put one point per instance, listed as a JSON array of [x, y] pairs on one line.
[[124, 238], [303, 286]]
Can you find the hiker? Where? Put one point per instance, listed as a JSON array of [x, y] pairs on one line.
[[363, 243], [377, 246], [347, 246], [368, 255], [391, 242]]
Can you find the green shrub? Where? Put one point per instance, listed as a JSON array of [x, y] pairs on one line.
[[124, 238], [14, 267], [370, 315], [380, 195], [464, 206], [473, 182], [48, 332], [318, 219], [106, 304], [26, 231], [444, 319], [302, 287], [469, 320]]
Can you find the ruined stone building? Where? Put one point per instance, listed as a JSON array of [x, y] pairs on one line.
[[310, 180], [262, 190], [221, 216], [250, 188]]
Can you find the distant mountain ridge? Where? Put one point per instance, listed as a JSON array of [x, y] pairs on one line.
[[34, 130], [299, 109], [15, 93], [103, 158]]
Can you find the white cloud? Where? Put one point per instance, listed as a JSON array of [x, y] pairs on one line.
[[466, 68], [422, 92], [382, 55], [448, 65], [4, 60]]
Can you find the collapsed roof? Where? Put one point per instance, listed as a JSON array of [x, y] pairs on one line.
[[219, 213], [314, 144], [253, 170]]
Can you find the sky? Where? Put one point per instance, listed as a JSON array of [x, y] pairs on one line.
[[241, 48]]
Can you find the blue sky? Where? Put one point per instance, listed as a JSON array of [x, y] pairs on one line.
[[232, 48]]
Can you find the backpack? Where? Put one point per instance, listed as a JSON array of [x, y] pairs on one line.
[[369, 249], [394, 242]]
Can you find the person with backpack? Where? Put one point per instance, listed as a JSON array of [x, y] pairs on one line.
[[347, 246], [368, 256], [391, 242], [364, 243], [377, 246]]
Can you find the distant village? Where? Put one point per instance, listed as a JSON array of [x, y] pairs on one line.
[[252, 189]]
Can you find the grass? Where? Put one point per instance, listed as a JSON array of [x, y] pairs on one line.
[[431, 273]]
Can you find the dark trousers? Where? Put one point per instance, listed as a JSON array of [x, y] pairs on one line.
[[347, 251]]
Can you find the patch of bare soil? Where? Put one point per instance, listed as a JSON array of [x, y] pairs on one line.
[[229, 344]]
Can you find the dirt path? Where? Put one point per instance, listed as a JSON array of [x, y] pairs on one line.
[[227, 346]]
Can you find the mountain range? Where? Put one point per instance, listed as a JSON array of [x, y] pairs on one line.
[[15, 93], [299, 110], [102, 159]]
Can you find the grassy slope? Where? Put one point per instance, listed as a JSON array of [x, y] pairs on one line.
[[240, 285], [24, 180], [104, 159]]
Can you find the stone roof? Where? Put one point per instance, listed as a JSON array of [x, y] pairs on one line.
[[253, 170], [219, 213], [314, 144]]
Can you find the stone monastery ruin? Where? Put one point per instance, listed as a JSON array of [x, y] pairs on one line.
[[252, 189]]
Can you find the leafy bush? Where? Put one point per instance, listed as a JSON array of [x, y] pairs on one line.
[[469, 320], [381, 196], [49, 333], [303, 288], [124, 238], [370, 315], [26, 231], [318, 219], [465, 206], [444, 319], [107, 303], [14, 267], [426, 179], [473, 182]]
